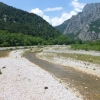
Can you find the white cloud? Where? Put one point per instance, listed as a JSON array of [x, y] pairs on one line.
[[73, 13], [37, 11], [65, 16], [53, 9], [77, 6], [47, 18], [59, 20], [54, 21], [78, 10]]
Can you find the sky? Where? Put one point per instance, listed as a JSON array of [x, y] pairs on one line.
[[54, 12]]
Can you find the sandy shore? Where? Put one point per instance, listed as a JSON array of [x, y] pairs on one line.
[[23, 80]]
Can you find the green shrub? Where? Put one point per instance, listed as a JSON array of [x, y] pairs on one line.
[[0, 71], [90, 60]]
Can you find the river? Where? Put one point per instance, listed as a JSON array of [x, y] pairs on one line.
[[4, 53], [87, 85]]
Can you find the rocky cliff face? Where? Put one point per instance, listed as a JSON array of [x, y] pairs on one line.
[[85, 25]]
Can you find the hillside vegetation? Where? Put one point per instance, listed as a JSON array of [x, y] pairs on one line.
[[89, 45], [19, 27], [19, 39], [15, 21]]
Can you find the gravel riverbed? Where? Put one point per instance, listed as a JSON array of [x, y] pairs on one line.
[[23, 80], [84, 66]]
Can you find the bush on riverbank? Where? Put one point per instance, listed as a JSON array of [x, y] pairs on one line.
[[89, 45], [18, 39]]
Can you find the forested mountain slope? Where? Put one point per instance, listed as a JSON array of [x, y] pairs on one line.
[[16, 20], [20, 22]]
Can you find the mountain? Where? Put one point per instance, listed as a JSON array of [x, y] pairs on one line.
[[85, 25], [18, 21], [21, 28]]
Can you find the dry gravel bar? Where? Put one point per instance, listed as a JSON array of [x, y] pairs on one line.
[[23, 80]]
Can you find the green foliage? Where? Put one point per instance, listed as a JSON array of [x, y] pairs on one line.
[[89, 45], [18, 39], [17, 21], [79, 41], [20, 28], [90, 60], [63, 40], [62, 27]]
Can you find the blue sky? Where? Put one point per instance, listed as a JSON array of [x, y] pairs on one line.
[[53, 11]]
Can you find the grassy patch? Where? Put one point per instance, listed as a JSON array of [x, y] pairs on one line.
[[82, 57], [25, 52], [48, 56], [90, 60], [35, 49]]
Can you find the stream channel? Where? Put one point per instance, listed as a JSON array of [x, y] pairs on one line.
[[4, 53], [87, 85]]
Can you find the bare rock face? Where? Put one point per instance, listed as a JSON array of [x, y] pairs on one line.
[[87, 23]]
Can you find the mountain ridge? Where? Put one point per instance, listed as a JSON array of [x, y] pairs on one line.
[[82, 23], [16, 20], [21, 28]]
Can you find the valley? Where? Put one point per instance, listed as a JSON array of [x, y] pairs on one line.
[[39, 61]]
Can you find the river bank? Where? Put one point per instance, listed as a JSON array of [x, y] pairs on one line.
[[60, 55], [84, 85], [23, 80]]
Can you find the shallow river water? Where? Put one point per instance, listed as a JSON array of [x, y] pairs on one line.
[[4, 53], [87, 85]]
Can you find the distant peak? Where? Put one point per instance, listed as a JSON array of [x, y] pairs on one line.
[[92, 7]]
